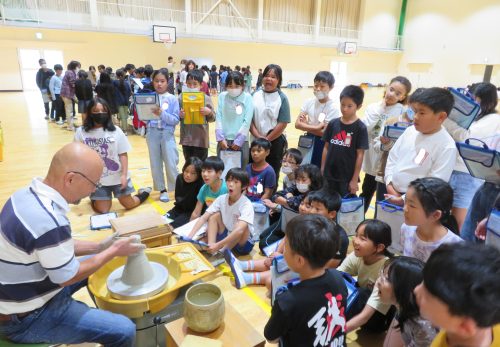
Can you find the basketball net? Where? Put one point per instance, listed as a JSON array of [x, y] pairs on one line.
[[167, 43]]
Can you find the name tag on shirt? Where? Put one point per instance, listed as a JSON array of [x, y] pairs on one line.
[[421, 156]]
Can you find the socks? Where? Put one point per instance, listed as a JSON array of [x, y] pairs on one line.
[[246, 265], [143, 196], [252, 277]]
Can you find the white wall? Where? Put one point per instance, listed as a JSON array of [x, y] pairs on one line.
[[448, 42], [379, 22]]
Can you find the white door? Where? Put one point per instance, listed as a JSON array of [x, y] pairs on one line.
[[339, 71], [28, 60]]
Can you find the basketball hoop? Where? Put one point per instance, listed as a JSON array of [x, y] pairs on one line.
[[167, 43]]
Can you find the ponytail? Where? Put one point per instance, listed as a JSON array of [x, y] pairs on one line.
[[449, 221]]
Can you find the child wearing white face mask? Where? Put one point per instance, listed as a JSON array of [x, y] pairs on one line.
[[307, 178], [316, 113], [291, 161], [234, 117], [194, 137]]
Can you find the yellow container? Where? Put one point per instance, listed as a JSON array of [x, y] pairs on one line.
[[182, 261]]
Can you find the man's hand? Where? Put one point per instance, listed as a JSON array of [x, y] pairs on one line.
[[223, 145], [126, 246], [182, 113], [108, 241]]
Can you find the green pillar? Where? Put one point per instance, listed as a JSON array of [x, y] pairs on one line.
[[401, 27]]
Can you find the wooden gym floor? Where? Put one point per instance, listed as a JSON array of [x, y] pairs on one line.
[[30, 141]]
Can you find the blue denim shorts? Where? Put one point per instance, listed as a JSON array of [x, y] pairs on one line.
[[107, 192], [240, 250], [464, 187]]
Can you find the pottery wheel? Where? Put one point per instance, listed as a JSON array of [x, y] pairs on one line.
[[120, 290]]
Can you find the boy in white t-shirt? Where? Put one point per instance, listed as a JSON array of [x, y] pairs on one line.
[[316, 113], [425, 149], [230, 217]]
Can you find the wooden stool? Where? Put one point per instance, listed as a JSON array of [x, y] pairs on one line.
[[234, 328]]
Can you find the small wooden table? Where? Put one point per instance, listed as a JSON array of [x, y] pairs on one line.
[[235, 331]]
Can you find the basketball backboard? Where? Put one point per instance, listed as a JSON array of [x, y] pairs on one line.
[[162, 33]]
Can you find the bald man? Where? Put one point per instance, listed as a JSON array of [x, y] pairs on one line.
[[39, 270]]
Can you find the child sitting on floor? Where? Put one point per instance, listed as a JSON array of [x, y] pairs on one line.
[[187, 186], [229, 217], [257, 271], [262, 176], [211, 172], [311, 312], [291, 161]]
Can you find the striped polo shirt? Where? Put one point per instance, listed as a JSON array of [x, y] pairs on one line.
[[36, 248]]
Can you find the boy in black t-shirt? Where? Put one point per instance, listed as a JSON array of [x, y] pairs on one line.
[[310, 313], [346, 140]]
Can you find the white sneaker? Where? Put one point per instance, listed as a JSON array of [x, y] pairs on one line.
[[234, 264], [46, 117], [164, 197], [60, 122]]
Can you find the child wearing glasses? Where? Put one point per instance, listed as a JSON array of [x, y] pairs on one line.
[[99, 133], [428, 219]]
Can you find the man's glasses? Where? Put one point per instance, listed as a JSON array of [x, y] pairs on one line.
[[95, 184]]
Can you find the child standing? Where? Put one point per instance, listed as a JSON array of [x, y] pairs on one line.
[[312, 312], [317, 112], [424, 149], [346, 140], [160, 137], [122, 95], [230, 217], [460, 293], [234, 116], [262, 176], [187, 186], [428, 218], [68, 91], [211, 172], [370, 253], [392, 105], [55, 91], [486, 125], [396, 284], [99, 133], [194, 137], [83, 92]]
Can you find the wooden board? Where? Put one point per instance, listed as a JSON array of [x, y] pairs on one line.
[[147, 224], [235, 331]]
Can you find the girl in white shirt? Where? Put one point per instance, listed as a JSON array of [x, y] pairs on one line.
[[428, 219], [99, 133], [392, 105], [271, 115], [486, 124]]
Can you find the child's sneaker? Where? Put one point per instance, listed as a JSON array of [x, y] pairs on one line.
[[143, 193], [164, 197], [234, 264], [60, 122]]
